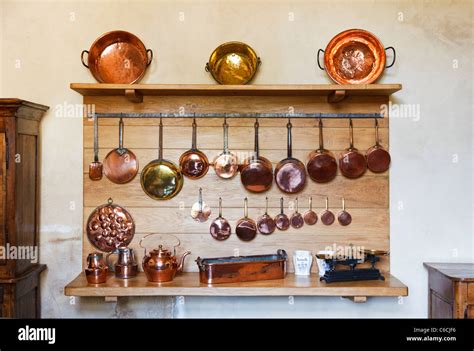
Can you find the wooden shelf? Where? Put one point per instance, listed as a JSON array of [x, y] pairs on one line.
[[135, 92], [187, 284]]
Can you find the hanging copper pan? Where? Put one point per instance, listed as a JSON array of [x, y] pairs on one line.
[[96, 167], [327, 217], [117, 57], [310, 217], [281, 220], [351, 162], [233, 63], [246, 228], [220, 228], [226, 165], [378, 159], [296, 219], [290, 173], [256, 173], [355, 56], [194, 163], [344, 218], [200, 210], [265, 223], [322, 165], [161, 179]]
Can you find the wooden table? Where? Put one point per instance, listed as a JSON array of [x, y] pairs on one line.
[[451, 290]]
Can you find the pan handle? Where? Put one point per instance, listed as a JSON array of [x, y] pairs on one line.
[[281, 252], [394, 56], [199, 263], [259, 62], [317, 59], [149, 57], [207, 67], [82, 57]]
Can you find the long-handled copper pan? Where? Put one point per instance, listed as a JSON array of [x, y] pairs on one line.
[[246, 228], [322, 165], [96, 167], [257, 172], [265, 223], [226, 165], [194, 163], [120, 164], [220, 228], [281, 220], [378, 159], [351, 162], [290, 173]]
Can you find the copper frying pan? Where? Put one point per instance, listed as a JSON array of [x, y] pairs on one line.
[[265, 223], [296, 219], [327, 217], [246, 228], [257, 172], [194, 163], [120, 164], [226, 165], [378, 159], [290, 173], [200, 210], [351, 162], [344, 218], [310, 217], [220, 228], [322, 165], [281, 220]]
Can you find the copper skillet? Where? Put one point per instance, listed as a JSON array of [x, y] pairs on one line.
[[265, 223], [117, 57], [220, 228], [322, 165], [226, 165], [351, 162], [120, 164], [256, 172], [246, 228], [281, 220], [194, 163], [378, 159], [290, 173]]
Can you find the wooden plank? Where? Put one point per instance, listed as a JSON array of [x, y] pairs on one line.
[[187, 284]]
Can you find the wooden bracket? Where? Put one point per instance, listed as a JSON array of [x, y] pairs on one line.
[[357, 299], [110, 298], [337, 96], [133, 95]]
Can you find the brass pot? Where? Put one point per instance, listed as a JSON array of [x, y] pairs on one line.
[[233, 63]]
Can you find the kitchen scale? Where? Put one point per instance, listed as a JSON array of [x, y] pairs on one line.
[[337, 271]]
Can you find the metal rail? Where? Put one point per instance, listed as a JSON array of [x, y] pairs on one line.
[[236, 115]]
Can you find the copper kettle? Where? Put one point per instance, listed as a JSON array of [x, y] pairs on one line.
[[161, 265]]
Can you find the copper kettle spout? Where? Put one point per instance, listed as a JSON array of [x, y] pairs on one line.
[[181, 262]]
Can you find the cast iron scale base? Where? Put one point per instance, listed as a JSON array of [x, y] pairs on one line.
[[333, 274]]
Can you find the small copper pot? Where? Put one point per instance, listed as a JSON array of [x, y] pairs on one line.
[[351, 162], [194, 163], [378, 159], [246, 228], [322, 165], [96, 271], [125, 266]]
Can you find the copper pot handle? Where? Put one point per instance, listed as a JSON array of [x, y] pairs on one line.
[[256, 148], [394, 56], [149, 57], [82, 57], [207, 68], [289, 140], [317, 59], [281, 252], [111, 266], [259, 62]]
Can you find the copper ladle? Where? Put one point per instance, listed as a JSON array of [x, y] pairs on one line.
[[344, 218], [310, 217], [246, 228], [281, 220], [265, 223], [327, 217], [95, 167], [296, 219], [226, 165], [200, 210], [220, 228]]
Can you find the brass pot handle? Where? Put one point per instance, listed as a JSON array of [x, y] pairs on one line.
[[82, 57], [207, 68], [259, 62], [394, 56], [317, 59], [149, 57]]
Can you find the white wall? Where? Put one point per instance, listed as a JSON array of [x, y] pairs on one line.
[[434, 222]]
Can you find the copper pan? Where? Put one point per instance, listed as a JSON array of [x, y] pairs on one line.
[[322, 165], [290, 173], [120, 164], [246, 228], [351, 162], [265, 223], [200, 210], [194, 163], [296, 219], [281, 220], [96, 167], [117, 57], [327, 217], [226, 165], [220, 228], [257, 172], [355, 56], [378, 159], [310, 217], [344, 218]]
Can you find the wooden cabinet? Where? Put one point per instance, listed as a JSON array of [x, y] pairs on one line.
[[451, 290], [19, 202]]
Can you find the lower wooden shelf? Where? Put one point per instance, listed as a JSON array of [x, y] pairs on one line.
[[187, 284]]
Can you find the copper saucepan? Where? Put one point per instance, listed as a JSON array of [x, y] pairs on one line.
[[310, 217], [265, 223], [296, 219], [378, 159], [246, 228], [194, 163], [226, 165], [351, 162], [220, 228], [281, 220], [120, 164], [344, 218], [322, 165], [256, 173], [200, 210], [161, 179], [290, 173], [327, 217]]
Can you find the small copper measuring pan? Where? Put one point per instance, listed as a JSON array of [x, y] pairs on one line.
[[96, 167], [344, 218], [378, 159], [310, 217], [194, 163], [296, 219], [351, 162], [246, 228], [200, 210], [226, 165], [265, 223], [327, 217], [281, 220], [322, 165], [220, 228], [120, 164]]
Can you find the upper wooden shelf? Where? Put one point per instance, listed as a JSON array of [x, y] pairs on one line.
[[187, 284], [135, 92]]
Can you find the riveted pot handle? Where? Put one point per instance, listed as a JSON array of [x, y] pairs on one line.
[[207, 68], [82, 57], [317, 59], [199, 263], [281, 252], [149, 55], [259, 62], [394, 56]]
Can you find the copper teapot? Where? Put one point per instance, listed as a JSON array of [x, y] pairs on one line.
[[161, 265]]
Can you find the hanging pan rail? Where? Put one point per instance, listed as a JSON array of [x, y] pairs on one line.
[[236, 115]]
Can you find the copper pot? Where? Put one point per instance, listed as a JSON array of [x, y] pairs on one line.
[[125, 266], [378, 159], [96, 271], [351, 162], [117, 57], [226, 165], [194, 163], [290, 173], [246, 228], [257, 172], [322, 165]]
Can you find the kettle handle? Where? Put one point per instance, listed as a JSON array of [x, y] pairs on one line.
[[111, 266], [146, 236]]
